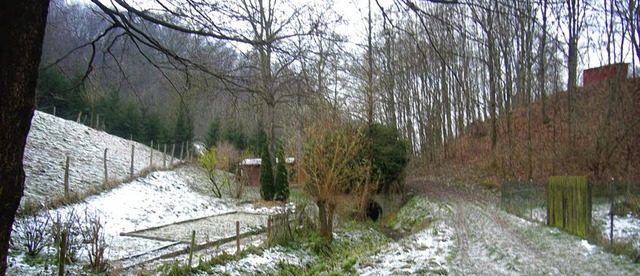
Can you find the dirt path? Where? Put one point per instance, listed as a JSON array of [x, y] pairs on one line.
[[492, 242]]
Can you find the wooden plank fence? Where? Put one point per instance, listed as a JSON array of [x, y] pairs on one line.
[[569, 204]]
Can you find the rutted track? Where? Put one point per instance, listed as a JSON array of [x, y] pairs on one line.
[[492, 242]]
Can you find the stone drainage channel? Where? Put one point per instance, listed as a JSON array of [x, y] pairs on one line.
[[211, 231]]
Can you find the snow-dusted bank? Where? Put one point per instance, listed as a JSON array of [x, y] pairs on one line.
[[160, 198], [52, 139]]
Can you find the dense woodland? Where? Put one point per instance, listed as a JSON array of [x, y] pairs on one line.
[[486, 90], [442, 72]]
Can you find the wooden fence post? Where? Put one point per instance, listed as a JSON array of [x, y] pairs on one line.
[[66, 178], [151, 156], [269, 228], [62, 256], [611, 200], [164, 156], [237, 238], [133, 149], [192, 247], [79, 116], [173, 151], [181, 150], [54, 111], [106, 173]]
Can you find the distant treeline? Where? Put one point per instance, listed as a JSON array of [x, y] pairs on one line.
[[108, 111]]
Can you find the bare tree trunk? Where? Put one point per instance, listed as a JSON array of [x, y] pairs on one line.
[[542, 73], [575, 25], [22, 25]]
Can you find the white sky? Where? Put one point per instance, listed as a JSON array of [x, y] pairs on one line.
[[592, 53]]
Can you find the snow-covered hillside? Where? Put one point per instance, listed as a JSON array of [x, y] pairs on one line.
[[52, 139]]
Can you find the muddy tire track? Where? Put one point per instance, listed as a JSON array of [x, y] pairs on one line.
[[492, 242]]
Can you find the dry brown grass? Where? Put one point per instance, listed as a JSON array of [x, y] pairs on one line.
[[603, 143]]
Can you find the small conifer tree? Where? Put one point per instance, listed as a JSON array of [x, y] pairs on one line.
[[282, 178], [267, 183]]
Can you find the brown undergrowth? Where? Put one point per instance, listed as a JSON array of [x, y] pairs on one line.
[[600, 141]]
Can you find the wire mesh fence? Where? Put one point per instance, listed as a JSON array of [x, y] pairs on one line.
[[526, 199], [615, 208]]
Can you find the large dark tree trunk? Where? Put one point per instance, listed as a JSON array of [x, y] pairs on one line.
[[21, 32]]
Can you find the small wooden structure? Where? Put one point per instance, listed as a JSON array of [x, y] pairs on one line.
[[569, 204], [251, 168]]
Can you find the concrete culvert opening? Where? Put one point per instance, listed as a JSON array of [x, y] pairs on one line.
[[374, 210]]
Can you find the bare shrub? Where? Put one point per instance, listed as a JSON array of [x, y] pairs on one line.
[[331, 152], [241, 180], [92, 231], [228, 157], [65, 230], [31, 233]]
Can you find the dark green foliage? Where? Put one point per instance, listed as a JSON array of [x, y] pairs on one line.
[[183, 131], [389, 155], [257, 139], [154, 127], [235, 135], [267, 183], [56, 90], [213, 135], [123, 118], [282, 178]]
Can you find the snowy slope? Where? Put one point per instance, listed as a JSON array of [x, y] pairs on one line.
[[52, 139]]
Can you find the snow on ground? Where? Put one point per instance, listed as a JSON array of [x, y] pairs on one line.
[[160, 198], [265, 263], [52, 139], [441, 236], [424, 251], [625, 228]]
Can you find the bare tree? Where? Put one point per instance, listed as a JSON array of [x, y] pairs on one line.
[[22, 27], [334, 172]]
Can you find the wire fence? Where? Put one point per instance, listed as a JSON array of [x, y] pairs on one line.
[[615, 207], [525, 199]]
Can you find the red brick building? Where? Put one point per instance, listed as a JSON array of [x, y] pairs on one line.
[[594, 75]]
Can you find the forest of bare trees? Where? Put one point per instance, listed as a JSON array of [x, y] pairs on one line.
[[437, 70]]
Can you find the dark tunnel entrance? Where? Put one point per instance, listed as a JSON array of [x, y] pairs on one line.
[[374, 210]]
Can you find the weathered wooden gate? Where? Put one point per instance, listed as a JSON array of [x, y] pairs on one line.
[[569, 204]]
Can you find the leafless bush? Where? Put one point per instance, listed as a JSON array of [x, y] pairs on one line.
[[31, 233], [241, 180], [228, 157], [65, 230], [92, 231]]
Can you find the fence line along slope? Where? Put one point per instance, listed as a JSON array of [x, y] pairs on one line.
[[52, 139]]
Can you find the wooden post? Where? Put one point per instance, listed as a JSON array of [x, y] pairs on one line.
[[181, 151], [66, 179], [62, 252], [611, 199], [97, 121], [164, 156], [269, 226], [133, 149], [54, 111], [106, 173], [173, 151], [151, 156], [237, 238], [192, 247], [79, 116]]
